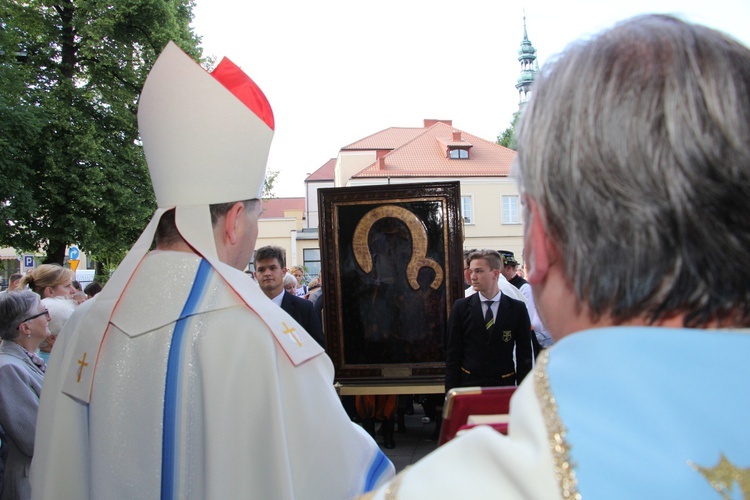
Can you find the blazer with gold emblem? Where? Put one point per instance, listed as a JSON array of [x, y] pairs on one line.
[[476, 356]]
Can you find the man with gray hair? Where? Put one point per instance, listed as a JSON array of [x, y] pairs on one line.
[[633, 151]]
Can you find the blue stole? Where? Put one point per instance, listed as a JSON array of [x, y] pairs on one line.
[[655, 412]]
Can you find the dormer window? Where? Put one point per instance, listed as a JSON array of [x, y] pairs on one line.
[[458, 154], [456, 148]]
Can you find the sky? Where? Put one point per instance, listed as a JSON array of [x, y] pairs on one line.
[[336, 71]]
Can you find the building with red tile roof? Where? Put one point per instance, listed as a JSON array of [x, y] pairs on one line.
[[321, 178], [437, 151], [428, 153], [276, 208]]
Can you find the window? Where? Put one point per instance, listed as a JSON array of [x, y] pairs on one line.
[[311, 258], [466, 211], [459, 154], [510, 210]]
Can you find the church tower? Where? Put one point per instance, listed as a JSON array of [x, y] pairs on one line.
[[529, 67]]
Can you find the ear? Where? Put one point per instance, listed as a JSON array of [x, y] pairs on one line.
[[48, 291], [24, 328], [232, 225], [541, 251]]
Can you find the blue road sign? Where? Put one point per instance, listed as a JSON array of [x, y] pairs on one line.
[[28, 261], [73, 253]]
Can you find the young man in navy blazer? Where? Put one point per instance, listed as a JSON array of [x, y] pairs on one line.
[[270, 268], [480, 342]]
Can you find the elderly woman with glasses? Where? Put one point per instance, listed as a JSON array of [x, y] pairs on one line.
[[23, 326]]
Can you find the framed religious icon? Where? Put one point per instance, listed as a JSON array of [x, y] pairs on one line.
[[392, 268]]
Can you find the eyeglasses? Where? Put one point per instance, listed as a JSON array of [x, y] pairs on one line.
[[44, 313]]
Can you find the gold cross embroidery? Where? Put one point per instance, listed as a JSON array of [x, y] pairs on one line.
[[83, 363], [290, 331]]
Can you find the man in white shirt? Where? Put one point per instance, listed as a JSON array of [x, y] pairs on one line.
[[510, 273], [484, 331], [270, 270]]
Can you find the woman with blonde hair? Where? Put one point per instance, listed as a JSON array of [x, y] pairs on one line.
[[50, 280], [299, 274], [54, 284]]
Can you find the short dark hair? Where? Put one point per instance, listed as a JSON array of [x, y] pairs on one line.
[[467, 254], [92, 288], [270, 252], [167, 233]]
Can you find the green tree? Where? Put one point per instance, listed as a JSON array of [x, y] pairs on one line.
[[268, 184], [508, 137], [70, 157]]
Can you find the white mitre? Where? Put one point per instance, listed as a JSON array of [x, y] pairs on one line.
[[202, 145], [206, 137]]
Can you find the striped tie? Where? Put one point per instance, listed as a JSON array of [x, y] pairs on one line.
[[489, 318]]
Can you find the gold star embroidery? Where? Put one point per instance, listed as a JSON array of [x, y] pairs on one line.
[[723, 476]]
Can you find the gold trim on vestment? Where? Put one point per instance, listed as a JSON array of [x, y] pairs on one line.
[[391, 492], [556, 432]]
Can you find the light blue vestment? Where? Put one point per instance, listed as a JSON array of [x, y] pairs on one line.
[[646, 409]]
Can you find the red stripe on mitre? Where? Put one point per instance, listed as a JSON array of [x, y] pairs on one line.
[[244, 88]]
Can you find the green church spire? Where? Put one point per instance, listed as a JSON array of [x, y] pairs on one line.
[[529, 67]]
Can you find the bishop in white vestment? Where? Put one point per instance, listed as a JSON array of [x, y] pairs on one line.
[[181, 379]]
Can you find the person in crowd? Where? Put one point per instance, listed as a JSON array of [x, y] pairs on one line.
[[510, 272], [488, 332], [378, 408], [54, 284], [507, 289], [79, 298], [290, 284], [315, 296], [92, 289], [181, 379], [633, 149], [270, 272], [467, 272], [502, 283], [14, 282], [299, 274], [50, 280], [60, 310], [311, 287], [76, 285], [23, 326]]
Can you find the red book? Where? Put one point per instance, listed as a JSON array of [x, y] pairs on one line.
[[467, 407]]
